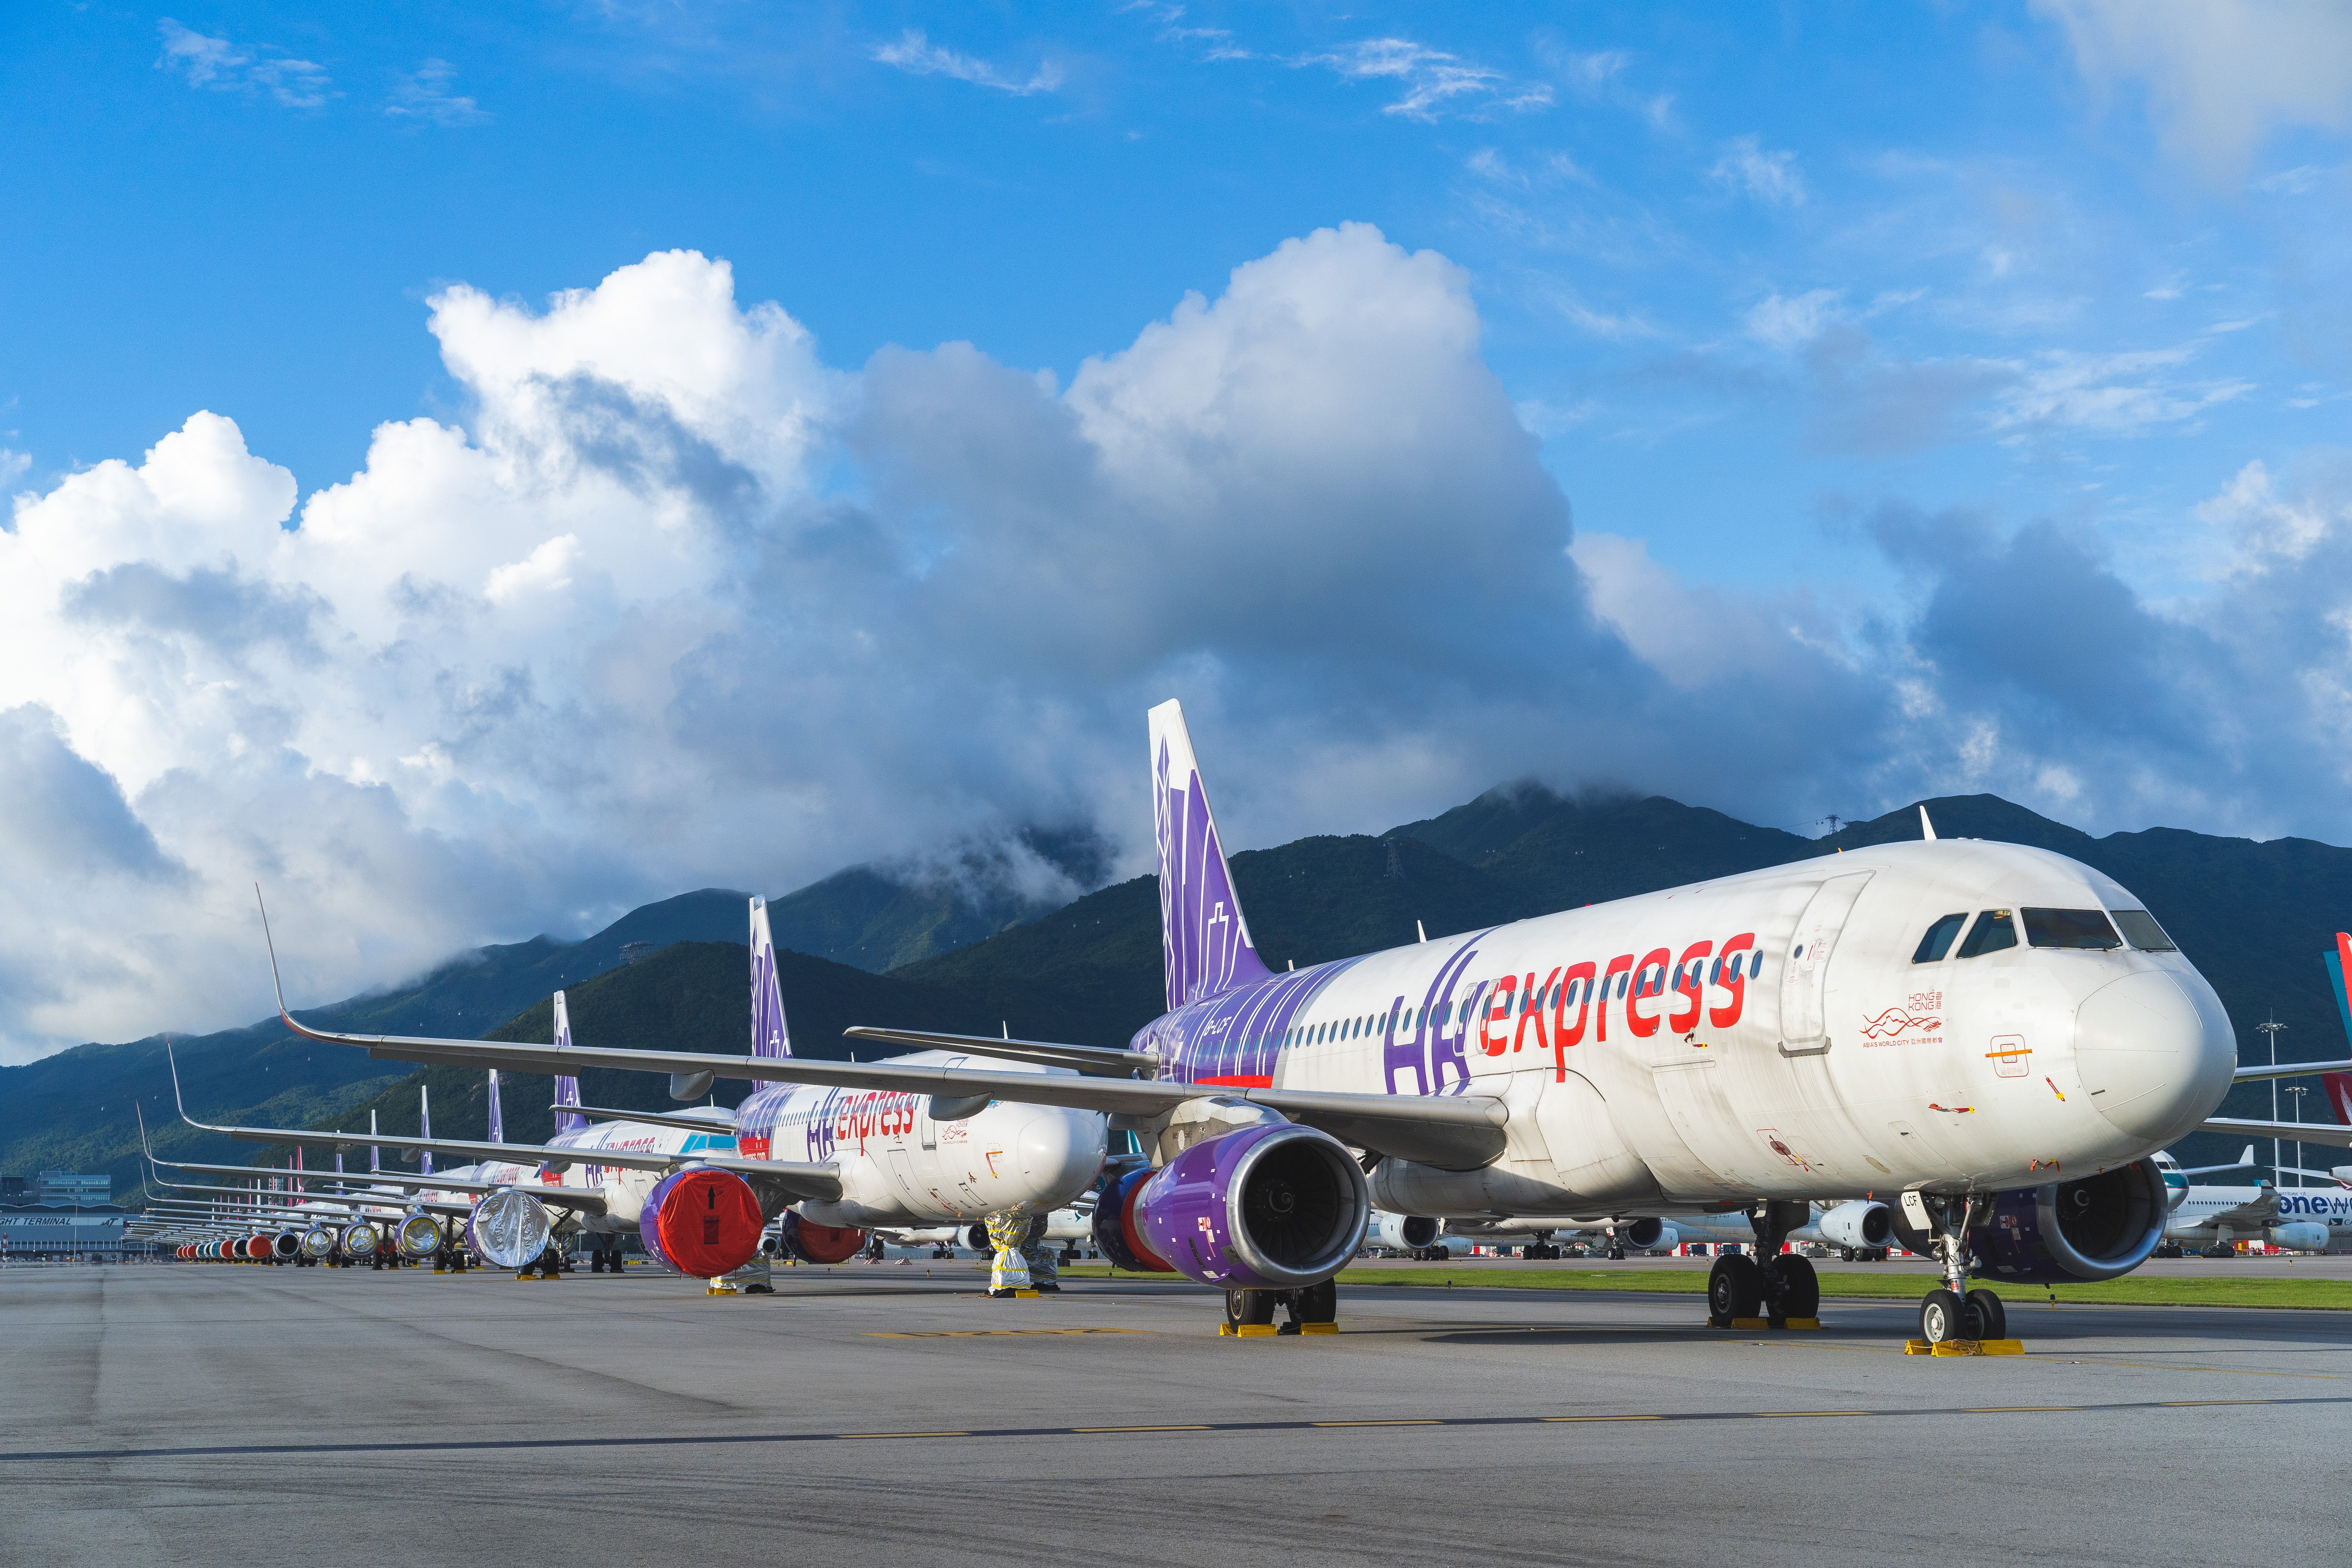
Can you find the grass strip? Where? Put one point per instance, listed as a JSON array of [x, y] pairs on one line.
[[2132, 1290]]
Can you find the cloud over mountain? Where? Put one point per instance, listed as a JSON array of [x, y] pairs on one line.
[[681, 603]]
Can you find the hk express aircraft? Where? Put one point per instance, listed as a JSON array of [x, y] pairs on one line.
[[1999, 1033], [832, 1161]]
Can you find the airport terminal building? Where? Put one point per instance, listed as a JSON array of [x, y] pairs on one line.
[[63, 1215]]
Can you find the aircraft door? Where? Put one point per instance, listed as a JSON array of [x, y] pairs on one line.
[[1805, 969]]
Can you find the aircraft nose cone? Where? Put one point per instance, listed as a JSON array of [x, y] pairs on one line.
[[1061, 1150], [2156, 1054]]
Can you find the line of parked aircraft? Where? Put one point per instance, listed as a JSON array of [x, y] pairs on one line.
[[1973, 1050]]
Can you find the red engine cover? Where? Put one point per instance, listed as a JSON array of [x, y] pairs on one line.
[[704, 1223], [258, 1247], [814, 1243]]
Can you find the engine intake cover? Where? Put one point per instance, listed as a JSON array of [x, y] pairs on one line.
[[419, 1235], [1117, 1236], [701, 1222], [1267, 1208], [360, 1237], [814, 1243], [508, 1229]]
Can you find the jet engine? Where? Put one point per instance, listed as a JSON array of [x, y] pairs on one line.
[[1400, 1232], [2093, 1228], [814, 1243], [2299, 1236], [1641, 1235], [508, 1229], [418, 1235], [975, 1236], [703, 1222], [1117, 1234], [1860, 1223], [359, 1238], [285, 1244], [1272, 1207], [258, 1248], [318, 1242]]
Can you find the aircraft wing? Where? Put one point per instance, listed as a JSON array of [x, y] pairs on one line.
[[2334, 1133], [1455, 1133], [2286, 1069], [1097, 1061], [1452, 1132]]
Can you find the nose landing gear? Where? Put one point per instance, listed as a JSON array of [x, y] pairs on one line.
[[1952, 1310]]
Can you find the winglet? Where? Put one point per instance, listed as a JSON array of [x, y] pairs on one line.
[[270, 943], [1927, 828], [177, 1099]]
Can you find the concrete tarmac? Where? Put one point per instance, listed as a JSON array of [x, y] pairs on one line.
[[197, 1414]]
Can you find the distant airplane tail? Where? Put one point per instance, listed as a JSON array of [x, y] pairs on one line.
[[497, 1129], [567, 1089], [375, 1155], [770, 1035], [1204, 943], [424, 1129], [2339, 1094]]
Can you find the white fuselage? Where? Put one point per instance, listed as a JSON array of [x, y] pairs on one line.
[[1766, 1034], [900, 1167]]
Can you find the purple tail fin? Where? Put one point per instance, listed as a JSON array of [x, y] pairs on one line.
[[1205, 942], [498, 1123], [375, 1155], [423, 1129], [769, 1038], [567, 1089]]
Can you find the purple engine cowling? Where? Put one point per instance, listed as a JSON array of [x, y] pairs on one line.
[[1274, 1207], [2093, 1228]]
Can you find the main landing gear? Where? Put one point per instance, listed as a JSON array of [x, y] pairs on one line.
[[1952, 1310], [1314, 1310], [1771, 1286]]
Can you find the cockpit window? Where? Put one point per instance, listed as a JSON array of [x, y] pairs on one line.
[[2140, 930], [1939, 938], [1994, 931], [2071, 927]]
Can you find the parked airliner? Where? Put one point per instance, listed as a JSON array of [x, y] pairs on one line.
[[2000, 1034]]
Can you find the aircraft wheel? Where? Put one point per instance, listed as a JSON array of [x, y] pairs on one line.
[[1734, 1288], [1799, 1292], [1943, 1316], [1249, 1307], [1992, 1316]]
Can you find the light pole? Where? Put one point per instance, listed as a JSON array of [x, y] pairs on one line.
[[2272, 1028], [2298, 1090]]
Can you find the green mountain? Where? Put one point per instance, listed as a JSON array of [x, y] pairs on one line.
[[2254, 917]]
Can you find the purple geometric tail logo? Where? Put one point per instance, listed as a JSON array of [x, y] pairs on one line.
[[567, 1089], [769, 1036], [498, 1123], [1205, 942]]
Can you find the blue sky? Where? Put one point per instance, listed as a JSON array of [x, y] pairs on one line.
[[1793, 409]]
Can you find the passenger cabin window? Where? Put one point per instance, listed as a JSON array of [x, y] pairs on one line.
[[2071, 927], [2140, 930], [1939, 939], [1994, 931]]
